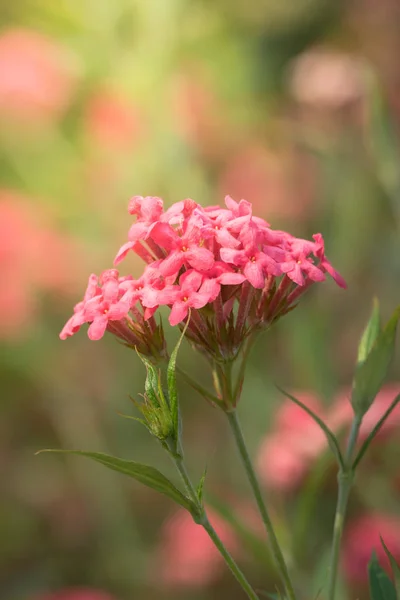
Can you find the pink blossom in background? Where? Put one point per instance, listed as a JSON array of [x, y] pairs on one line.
[[25, 230], [280, 185], [112, 121], [286, 454], [341, 412], [362, 537], [199, 117], [327, 78], [186, 556], [37, 79], [76, 594]]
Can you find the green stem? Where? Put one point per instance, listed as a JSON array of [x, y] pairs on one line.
[[345, 482], [273, 540], [202, 520]]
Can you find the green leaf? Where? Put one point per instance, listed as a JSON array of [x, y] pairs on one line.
[[332, 441], [145, 474], [370, 374], [200, 487], [370, 334], [374, 431], [380, 585], [395, 567], [172, 388]]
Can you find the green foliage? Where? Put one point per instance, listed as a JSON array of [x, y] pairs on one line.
[[370, 334], [380, 585], [371, 373], [395, 567], [145, 474]]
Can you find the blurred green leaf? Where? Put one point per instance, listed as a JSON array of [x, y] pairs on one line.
[[332, 441], [370, 334], [374, 431], [370, 374], [145, 474], [380, 585], [394, 565]]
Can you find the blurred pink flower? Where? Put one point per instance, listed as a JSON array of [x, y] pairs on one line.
[[286, 454], [362, 537], [187, 556], [341, 413], [327, 78], [76, 594], [33, 257], [198, 114], [277, 184], [37, 76], [112, 121]]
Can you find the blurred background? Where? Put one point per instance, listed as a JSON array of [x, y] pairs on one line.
[[293, 106]]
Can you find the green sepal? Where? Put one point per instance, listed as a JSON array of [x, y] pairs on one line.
[[370, 333], [395, 567], [370, 374], [330, 436], [380, 585], [151, 383], [173, 393], [145, 474]]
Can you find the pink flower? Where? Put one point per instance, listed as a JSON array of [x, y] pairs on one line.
[[112, 122], [216, 259], [183, 250], [52, 266], [37, 78], [80, 593], [187, 557], [286, 454], [184, 296], [362, 537], [113, 303]]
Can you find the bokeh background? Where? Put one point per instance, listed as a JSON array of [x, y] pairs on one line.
[[293, 106]]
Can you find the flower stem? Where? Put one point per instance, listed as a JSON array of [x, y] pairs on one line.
[[202, 519], [273, 540], [345, 482]]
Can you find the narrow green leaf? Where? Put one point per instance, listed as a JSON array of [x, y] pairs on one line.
[[172, 387], [332, 441], [375, 430], [395, 567], [370, 374], [380, 585], [200, 487], [370, 333], [145, 474]]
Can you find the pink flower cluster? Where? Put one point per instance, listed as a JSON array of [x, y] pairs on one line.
[[197, 258]]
